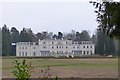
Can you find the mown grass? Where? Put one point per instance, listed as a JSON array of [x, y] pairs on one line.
[[74, 63]]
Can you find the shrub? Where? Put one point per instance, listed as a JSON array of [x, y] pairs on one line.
[[22, 70]]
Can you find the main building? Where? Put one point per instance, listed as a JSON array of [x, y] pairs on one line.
[[54, 48]]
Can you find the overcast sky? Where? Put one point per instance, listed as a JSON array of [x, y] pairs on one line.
[[50, 16]]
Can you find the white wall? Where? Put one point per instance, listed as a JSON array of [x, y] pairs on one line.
[[58, 46]]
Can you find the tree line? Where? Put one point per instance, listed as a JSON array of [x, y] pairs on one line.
[[108, 18], [103, 44]]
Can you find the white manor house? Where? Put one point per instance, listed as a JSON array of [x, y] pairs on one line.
[[54, 48]]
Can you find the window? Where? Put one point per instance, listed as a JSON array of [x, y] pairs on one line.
[[19, 47], [43, 42], [57, 46], [66, 52], [33, 47], [33, 53], [45, 53], [25, 53], [66, 47], [52, 42], [87, 46], [25, 47], [22, 47], [84, 52], [83, 46], [31, 43], [91, 52], [77, 46], [87, 52], [22, 53], [90, 46], [66, 42], [52, 47], [44, 47], [59, 42], [19, 53], [36, 43], [73, 46]]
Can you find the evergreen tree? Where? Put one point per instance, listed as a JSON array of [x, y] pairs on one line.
[[100, 43], [104, 45], [108, 17], [55, 36], [83, 36], [23, 36], [60, 35], [6, 42], [26, 35], [39, 36], [14, 35]]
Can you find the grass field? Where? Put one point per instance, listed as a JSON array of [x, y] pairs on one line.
[[66, 68]]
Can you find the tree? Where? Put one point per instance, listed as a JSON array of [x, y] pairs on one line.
[[6, 42], [49, 36], [55, 36], [94, 38], [14, 35], [39, 36], [100, 43], [60, 35], [77, 36], [23, 36], [70, 36], [26, 35], [108, 17], [109, 46], [30, 35], [104, 45], [83, 36], [44, 34]]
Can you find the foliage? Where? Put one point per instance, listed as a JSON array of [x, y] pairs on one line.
[[60, 35], [14, 35], [6, 42], [104, 45], [27, 35], [108, 17], [22, 70], [83, 36]]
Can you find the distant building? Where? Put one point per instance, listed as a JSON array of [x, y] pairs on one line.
[[55, 48]]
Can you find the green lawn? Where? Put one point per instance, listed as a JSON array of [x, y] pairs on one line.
[[109, 64], [85, 63]]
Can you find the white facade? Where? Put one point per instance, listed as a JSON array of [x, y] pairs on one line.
[[54, 48]]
